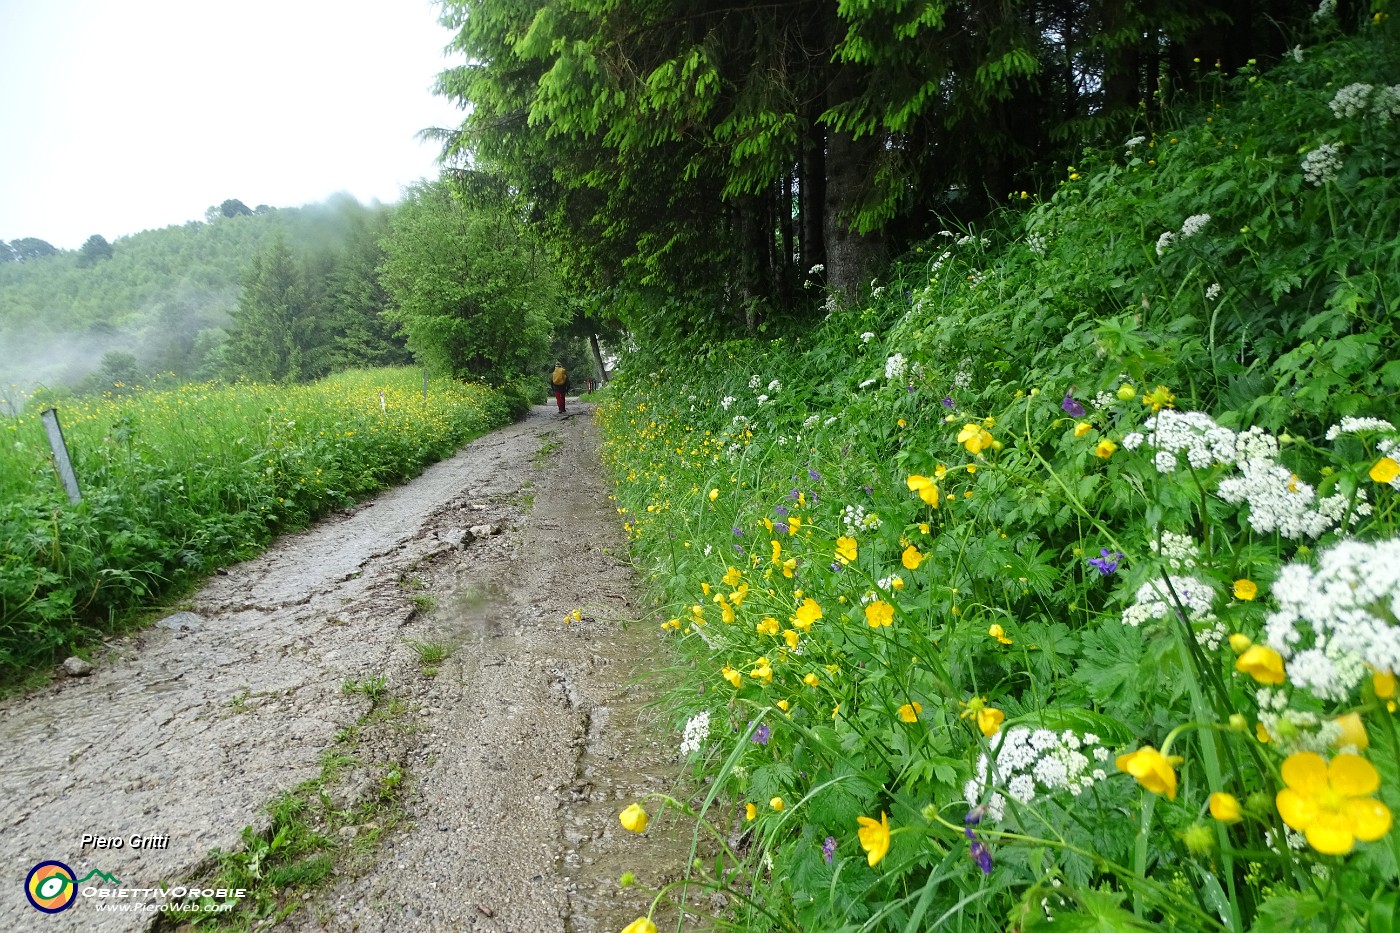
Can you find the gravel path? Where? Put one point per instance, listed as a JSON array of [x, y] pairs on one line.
[[514, 753]]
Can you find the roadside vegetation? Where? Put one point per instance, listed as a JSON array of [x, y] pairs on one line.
[[177, 483], [1055, 585]]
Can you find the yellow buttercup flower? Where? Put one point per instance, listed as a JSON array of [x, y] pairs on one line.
[[879, 613], [1225, 808], [1159, 398], [634, 818], [714, 494], [909, 712], [1262, 663], [1082, 428], [1331, 803], [762, 671], [732, 576], [1240, 643], [789, 567], [974, 438], [1353, 732], [874, 837], [1152, 769], [845, 549], [777, 552], [794, 523], [811, 680], [640, 925], [911, 558], [790, 637], [782, 705], [925, 487], [1246, 590], [1104, 449], [733, 676], [750, 811], [1383, 682], [988, 718], [768, 626], [806, 614], [999, 633], [1385, 470], [777, 804], [896, 583]]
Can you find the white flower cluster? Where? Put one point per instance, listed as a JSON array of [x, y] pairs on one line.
[[1279, 501], [1349, 425], [775, 386], [1164, 241], [1296, 53], [1154, 601], [1032, 760], [1359, 99], [1322, 164], [1179, 551], [895, 367], [1194, 433], [697, 729], [963, 379], [1037, 243], [1325, 10], [1292, 730], [726, 402], [1194, 224], [855, 519], [755, 381], [1134, 143], [1104, 400], [1213, 291], [1336, 619], [969, 238], [762, 399], [867, 336], [810, 422]]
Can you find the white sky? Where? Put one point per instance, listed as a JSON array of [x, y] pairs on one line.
[[118, 116]]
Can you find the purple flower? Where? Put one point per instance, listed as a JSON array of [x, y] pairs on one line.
[[981, 855], [1107, 561], [911, 389], [738, 532], [829, 848], [814, 475], [738, 548], [948, 401], [780, 510], [761, 734], [837, 566], [1072, 407], [780, 527], [794, 494]]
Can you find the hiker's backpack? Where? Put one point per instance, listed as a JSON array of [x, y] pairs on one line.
[[561, 376]]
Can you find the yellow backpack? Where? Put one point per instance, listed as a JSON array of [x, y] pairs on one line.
[[561, 376]]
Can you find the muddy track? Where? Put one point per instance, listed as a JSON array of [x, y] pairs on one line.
[[516, 751]]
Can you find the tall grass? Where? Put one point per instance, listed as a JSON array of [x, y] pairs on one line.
[[177, 482]]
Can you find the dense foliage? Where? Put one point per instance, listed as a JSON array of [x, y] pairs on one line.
[[163, 301], [1057, 586], [178, 483], [731, 153]]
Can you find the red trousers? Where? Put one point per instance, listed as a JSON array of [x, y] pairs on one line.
[[559, 397]]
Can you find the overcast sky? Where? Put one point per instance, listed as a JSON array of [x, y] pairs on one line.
[[118, 116]]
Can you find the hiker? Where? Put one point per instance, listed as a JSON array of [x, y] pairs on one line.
[[559, 382]]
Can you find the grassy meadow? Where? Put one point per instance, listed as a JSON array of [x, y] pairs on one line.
[[1057, 587], [176, 483]]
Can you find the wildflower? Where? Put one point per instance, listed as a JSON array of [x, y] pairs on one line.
[[634, 818], [1322, 164], [874, 837], [975, 438], [790, 637], [1194, 224], [1164, 242], [1262, 663], [911, 558], [988, 718], [1105, 449], [806, 614], [697, 729], [762, 671], [909, 712], [810, 680], [1383, 683], [1213, 291], [879, 613], [1107, 561], [999, 633], [947, 402], [829, 848], [1159, 398], [925, 487], [762, 734], [1331, 803], [1352, 732], [1225, 808], [750, 811], [1240, 643], [640, 925], [1385, 470], [1072, 407], [1082, 428], [777, 804], [714, 494], [1152, 769], [733, 676], [845, 549]]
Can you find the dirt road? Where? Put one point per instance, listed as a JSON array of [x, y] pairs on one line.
[[409, 662]]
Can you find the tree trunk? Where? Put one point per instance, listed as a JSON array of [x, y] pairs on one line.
[[598, 358]]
